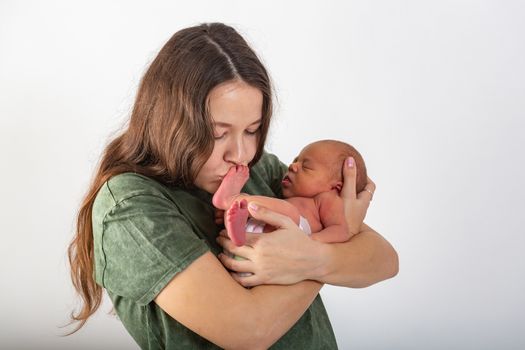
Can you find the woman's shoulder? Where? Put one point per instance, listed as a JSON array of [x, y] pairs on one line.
[[265, 176], [126, 186], [269, 164]]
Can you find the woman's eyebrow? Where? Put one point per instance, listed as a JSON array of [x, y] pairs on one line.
[[226, 125]]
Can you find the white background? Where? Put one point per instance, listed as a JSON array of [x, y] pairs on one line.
[[431, 93]]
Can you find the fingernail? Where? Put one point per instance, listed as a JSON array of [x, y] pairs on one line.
[[253, 206], [350, 162]]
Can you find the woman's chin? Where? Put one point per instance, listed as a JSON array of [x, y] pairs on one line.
[[212, 187]]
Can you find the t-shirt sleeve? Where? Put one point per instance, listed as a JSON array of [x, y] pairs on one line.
[[145, 243]]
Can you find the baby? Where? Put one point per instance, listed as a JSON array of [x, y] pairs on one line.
[[311, 190]]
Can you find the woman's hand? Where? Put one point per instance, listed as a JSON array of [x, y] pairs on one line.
[[219, 217], [284, 256], [355, 204]]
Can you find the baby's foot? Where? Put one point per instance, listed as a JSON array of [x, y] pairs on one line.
[[235, 222], [231, 186]]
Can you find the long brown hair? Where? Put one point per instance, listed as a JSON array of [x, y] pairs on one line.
[[170, 135]]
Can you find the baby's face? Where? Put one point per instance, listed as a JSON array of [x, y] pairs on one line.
[[310, 173]]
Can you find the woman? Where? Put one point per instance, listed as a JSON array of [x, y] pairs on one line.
[[146, 230]]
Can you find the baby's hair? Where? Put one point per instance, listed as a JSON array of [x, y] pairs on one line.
[[344, 150]]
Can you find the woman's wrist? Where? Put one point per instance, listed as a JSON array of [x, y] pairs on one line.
[[321, 261], [365, 259]]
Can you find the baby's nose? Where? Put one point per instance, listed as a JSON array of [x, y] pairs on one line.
[[293, 167]]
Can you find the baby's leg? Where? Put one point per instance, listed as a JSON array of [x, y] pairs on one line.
[[235, 222], [231, 186], [237, 215], [277, 205]]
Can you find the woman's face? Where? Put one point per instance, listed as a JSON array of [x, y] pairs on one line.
[[236, 110]]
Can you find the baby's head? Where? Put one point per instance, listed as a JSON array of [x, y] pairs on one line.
[[319, 168]]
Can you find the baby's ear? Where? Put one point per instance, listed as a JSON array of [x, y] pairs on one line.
[[338, 186]]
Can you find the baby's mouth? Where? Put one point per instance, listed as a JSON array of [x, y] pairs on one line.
[[286, 180]]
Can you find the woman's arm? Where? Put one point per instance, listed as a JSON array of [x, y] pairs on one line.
[[287, 256], [208, 301], [367, 258]]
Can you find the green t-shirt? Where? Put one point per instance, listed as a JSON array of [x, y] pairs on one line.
[[145, 233]]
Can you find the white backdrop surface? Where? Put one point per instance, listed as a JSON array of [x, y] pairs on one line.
[[431, 92]]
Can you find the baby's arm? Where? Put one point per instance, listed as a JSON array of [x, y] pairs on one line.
[[332, 218]]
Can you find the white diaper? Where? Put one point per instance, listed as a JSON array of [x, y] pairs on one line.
[[304, 225], [256, 226]]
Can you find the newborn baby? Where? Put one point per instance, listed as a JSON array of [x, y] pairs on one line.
[[311, 190]]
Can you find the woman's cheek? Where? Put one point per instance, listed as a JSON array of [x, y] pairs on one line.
[[253, 147], [215, 158]]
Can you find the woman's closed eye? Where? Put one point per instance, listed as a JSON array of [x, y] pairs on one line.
[[253, 132], [248, 132], [219, 137]]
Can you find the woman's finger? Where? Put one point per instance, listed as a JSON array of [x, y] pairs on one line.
[[244, 250], [230, 263], [369, 180], [252, 238], [349, 174], [219, 216], [368, 191], [246, 280], [370, 184], [270, 217]]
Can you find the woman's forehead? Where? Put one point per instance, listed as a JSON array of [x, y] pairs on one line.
[[235, 104]]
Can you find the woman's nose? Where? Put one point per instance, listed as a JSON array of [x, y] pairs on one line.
[[237, 152]]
